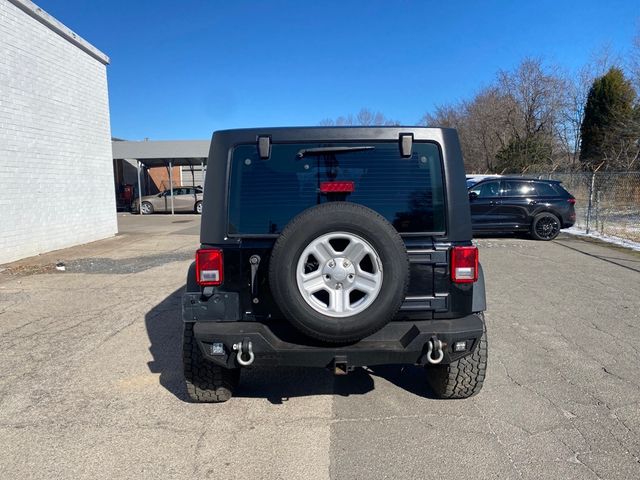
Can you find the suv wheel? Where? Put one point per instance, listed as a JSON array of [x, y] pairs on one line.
[[545, 226], [462, 378], [339, 272], [206, 382]]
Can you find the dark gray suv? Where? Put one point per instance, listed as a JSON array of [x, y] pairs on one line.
[[337, 248]]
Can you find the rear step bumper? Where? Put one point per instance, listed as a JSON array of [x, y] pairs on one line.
[[396, 343]]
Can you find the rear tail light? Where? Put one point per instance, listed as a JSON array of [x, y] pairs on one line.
[[337, 187], [464, 264], [572, 201], [209, 266]]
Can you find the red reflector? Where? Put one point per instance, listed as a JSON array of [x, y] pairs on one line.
[[572, 201], [464, 264], [209, 265], [337, 187]]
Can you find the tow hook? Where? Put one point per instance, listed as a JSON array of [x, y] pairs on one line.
[[244, 348], [434, 351]]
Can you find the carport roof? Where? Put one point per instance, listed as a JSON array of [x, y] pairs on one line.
[[161, 152]]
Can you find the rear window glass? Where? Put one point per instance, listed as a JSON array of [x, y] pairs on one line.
[[545, 189], [264, 195]]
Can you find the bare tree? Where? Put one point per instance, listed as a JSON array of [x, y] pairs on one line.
[[488, 130], [448, 116], [512, 124], [538, 98], [482, 125], [365, 117], [572, 115]]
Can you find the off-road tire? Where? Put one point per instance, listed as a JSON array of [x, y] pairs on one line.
[[206, 382], [545, 216], [339, 217], [462, 378]]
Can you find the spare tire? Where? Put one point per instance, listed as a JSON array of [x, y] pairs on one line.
[[339, 272]]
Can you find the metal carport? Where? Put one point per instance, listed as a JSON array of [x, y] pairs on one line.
[[159, 153]]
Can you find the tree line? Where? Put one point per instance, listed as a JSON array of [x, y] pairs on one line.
[[536, 117], [364, 118]]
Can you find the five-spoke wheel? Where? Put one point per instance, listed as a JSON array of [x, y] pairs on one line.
[[339, 274]]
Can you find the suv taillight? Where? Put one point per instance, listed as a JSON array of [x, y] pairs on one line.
[[209, 266], [464, 264], [572, 201]]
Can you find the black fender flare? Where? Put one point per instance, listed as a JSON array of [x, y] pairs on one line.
[[192, 282], [479, 302]]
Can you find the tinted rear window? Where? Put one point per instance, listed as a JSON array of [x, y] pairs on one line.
[[545, 189], [264, 195], [560, 190]]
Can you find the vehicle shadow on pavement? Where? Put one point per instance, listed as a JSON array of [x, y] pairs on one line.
[[164, 329], [411, 378], [280, 384]]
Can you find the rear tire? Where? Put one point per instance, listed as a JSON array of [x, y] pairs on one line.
[[545, 226], [206, 382], [462, 378]]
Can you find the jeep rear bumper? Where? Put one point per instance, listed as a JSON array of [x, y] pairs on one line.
[[397, 343]]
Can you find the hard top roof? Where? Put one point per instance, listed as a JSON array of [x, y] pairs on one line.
[[287, 134]]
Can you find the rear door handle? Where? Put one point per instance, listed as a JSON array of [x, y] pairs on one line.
[[533, 202]]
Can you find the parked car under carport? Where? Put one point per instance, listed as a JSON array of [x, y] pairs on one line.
[[185, 199]]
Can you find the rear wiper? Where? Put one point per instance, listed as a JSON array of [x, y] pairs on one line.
[[322, 150]]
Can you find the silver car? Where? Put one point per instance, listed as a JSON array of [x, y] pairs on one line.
[[185, 199]]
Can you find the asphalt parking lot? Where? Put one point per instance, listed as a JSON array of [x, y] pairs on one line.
[[91, 387]]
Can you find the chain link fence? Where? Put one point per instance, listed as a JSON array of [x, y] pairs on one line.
[[606, 202]]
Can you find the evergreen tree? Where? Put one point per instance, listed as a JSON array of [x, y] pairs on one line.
[[609, 122]]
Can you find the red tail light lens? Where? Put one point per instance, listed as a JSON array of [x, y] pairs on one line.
[[337, 187], [464, 264], [572, 201], [209, 266]]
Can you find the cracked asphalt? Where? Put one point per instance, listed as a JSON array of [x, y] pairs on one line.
[[91, 387]]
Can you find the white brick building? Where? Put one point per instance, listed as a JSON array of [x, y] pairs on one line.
[[56, 173]]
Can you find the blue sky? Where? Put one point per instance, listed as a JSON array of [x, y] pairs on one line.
[[180, 70]]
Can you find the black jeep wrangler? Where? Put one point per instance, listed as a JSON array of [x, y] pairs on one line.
[[335, 247]]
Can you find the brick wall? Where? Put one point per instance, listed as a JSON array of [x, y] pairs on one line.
[[56, 172]]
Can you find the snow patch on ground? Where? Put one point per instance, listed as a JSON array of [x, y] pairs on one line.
[[622, 242]]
